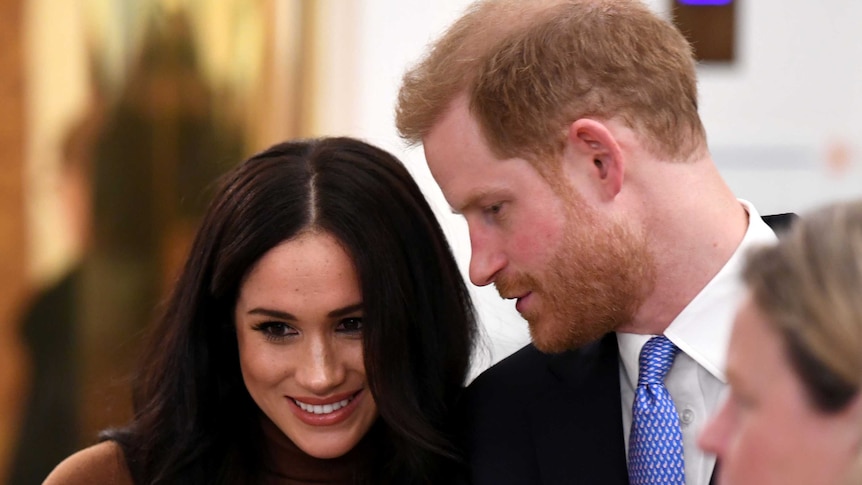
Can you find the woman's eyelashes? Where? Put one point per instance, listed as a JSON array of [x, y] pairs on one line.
[[275, 331], [350, 325]]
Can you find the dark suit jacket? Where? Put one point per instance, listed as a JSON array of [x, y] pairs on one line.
[[545, 419]]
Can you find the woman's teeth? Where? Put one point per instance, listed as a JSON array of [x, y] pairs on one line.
[[322, 408]]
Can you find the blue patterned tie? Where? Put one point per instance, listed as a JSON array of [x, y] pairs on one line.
[[655, 443]]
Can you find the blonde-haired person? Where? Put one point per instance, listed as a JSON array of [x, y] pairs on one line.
[[566, 132], [794, 414]]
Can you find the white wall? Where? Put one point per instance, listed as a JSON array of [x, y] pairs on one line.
[[398, 33], [794, 92]]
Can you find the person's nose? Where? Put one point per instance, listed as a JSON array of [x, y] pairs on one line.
[[320, 370], [713, 438], [487, 258]]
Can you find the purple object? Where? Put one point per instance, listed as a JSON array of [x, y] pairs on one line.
[[705, 2]]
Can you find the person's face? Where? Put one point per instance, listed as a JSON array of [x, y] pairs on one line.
[[299, 330], [574, 275], [767, 432]]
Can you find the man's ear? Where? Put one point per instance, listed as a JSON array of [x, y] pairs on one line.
[[594, 143]]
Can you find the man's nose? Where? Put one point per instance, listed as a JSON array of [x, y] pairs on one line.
[[486, 258]]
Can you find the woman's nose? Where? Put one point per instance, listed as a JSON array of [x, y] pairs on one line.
[[320, 371], [714, 435]]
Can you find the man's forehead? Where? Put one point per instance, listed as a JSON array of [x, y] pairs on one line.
[[455, 120]]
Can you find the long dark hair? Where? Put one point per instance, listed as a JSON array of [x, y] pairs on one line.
[[194, 420]]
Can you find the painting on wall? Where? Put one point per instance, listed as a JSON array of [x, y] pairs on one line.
[[174, 94]]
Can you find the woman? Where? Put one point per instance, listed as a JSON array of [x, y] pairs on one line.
[[795, 360], [319, 333]]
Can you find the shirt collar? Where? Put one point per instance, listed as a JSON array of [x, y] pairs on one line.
[[702, 329]]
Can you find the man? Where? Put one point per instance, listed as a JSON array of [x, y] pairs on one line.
[[566, 133]]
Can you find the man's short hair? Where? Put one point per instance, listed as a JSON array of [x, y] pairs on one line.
[[530, 68]]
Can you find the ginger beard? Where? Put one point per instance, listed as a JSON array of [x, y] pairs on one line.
[[599, 277]]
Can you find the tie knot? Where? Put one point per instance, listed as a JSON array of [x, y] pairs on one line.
[[655, 360]]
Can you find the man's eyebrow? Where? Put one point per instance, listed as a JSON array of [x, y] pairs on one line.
[[475, 198]]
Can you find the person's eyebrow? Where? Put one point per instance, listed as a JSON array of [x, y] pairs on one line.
[[732, 377], [347, 310], [338, 312], [475, 198]]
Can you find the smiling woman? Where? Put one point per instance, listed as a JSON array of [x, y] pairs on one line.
[[320, 332], [299, 328]]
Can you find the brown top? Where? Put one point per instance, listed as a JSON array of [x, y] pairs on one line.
[[284, 463], [102, 463]]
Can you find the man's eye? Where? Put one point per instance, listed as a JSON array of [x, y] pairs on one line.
[[494, 209], [350, 325]]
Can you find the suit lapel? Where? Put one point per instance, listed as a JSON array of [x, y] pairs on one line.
[[779, 222], [577, 427]]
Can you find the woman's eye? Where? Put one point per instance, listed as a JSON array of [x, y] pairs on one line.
[[275, 330], [350, 325], [742, 401]]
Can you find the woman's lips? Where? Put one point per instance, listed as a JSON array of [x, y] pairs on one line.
[[325, 411]]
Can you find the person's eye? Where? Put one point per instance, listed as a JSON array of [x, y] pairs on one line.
[[494, 212], [352, 325], [742, 401], [494, 209], [275, 331]]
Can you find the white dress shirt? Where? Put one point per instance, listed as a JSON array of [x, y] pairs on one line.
[[696, 381]]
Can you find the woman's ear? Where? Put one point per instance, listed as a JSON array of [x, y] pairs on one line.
[[596, 146]]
